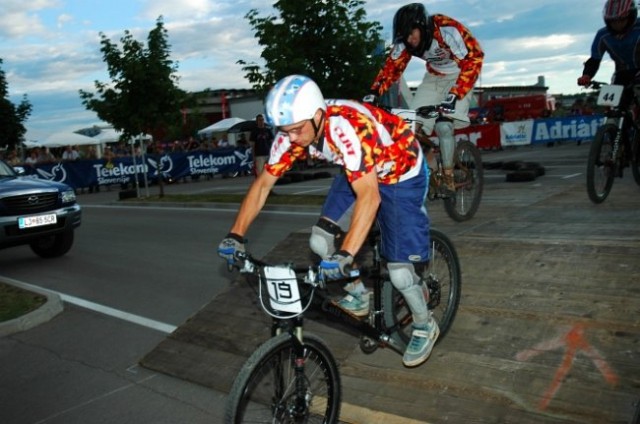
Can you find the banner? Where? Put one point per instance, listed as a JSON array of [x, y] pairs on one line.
[[517, 133], [571, 128], [91, 173]]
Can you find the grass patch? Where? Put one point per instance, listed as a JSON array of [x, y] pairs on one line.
[[278, 199], [15, 302]]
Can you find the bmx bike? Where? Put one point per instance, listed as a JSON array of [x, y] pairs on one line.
[[468, 172], [616, 145], [293, 377]]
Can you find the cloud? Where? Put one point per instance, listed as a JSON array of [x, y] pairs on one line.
[[51, 48]]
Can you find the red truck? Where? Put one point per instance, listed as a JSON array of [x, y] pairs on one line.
[[515, 108]]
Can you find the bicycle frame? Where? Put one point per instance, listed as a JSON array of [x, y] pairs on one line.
[[375, 328]]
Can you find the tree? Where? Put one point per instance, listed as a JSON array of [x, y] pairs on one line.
[[12, 117], [143, 95], [329, 41]]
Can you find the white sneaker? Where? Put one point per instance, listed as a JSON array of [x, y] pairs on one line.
[[421, 344], [355, 303]]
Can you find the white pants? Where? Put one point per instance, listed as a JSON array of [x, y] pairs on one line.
[[432, 91]]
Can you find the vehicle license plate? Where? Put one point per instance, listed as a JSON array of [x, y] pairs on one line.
[[37, 220]]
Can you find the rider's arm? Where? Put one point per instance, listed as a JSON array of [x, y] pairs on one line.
[[392, 70], [466, 51], [253, 202], [364, 212]]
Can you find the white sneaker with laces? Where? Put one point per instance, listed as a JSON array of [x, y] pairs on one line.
[[421, 344]]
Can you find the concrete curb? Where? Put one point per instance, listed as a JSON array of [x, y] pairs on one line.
[[52, 307]]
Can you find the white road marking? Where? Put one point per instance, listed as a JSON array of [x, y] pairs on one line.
[[105, 310]]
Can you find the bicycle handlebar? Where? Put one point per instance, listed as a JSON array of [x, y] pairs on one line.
[[314, 275], [596, 85]]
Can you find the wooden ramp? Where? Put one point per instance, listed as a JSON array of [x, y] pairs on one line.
[[548, 329]]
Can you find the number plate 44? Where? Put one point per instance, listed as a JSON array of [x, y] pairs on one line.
[[610, 95]]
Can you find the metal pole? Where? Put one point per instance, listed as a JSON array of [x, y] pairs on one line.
[[135, 167], [144, 163]]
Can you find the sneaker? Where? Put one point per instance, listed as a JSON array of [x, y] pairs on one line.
[[449, 184], [355, 304], [421, 344]]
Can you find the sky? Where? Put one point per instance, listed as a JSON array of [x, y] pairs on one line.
[[51, 48]]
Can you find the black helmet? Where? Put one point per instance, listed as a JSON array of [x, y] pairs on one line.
[[408, 18], [620, 9]]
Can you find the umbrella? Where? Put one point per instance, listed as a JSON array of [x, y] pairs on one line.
[[220, 126], [64, 138], [244, 126]]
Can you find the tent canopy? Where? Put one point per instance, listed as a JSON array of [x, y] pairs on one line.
[[67, 138], [110, 135], [220, 126]]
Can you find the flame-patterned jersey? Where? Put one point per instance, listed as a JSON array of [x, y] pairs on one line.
[[453, 50], [360, 138]]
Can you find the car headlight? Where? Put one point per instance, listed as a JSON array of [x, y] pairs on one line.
[[68, 196]]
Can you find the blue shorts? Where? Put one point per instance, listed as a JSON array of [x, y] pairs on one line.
[[402, 216]]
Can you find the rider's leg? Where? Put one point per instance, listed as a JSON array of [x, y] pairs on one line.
[[444, 131], [404, 230], [425, 328], [404, 278], [326, 237]]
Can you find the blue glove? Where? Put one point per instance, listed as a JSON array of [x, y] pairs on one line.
[[228, 247], [449, 104], [336, 266]]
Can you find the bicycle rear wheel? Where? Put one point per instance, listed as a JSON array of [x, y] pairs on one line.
[[271, 388], [442, 283], [469, 180], [601, 164]]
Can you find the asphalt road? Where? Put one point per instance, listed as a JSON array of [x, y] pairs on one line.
[[135, 273]]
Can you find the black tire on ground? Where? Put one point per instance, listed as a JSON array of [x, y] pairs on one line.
[[512, 165], [521, 176], [492, 165], [533, 166]]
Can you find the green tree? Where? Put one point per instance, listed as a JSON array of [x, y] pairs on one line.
[[12, 117], [330, 41], [142, 95]]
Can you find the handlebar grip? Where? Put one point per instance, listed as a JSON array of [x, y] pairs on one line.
[[428, 112]]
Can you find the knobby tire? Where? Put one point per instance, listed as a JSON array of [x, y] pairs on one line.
[[469, 180], [601, 164], [263, 391]]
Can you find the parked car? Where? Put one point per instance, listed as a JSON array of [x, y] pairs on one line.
[[39, 213]]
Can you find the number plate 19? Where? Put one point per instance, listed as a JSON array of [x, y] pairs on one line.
[[610, 95], [282, 284]]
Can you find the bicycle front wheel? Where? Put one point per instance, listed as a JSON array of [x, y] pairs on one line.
[[601, 164], [442, 285], [469, 180], [275, 386]]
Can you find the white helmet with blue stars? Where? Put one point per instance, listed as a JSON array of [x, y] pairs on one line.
[[293, 99]]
